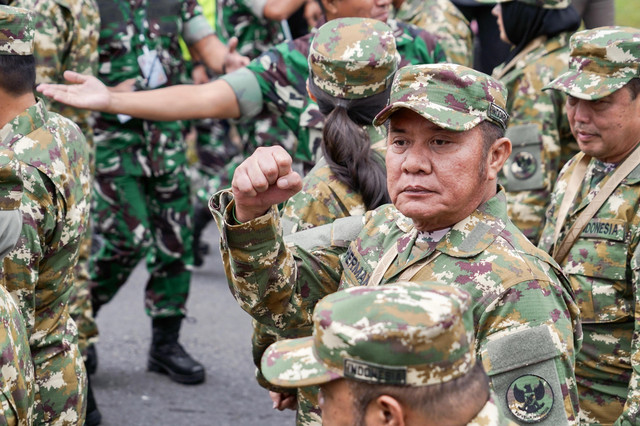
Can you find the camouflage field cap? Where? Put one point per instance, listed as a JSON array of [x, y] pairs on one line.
[[353, 57], [544, 4], [602, 61], [451, 96], [407, 334], [17, 29]]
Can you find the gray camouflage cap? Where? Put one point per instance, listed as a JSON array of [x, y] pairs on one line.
[[544, 4], [602, 61], [17, 30], [451, 96], [353, 57], [407, 334]]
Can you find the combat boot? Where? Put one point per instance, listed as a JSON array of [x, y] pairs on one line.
[[93, 417], [167, 356]]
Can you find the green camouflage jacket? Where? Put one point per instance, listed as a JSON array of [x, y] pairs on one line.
[[139, 146], [446, 22], [244, 19], [539, 130], [276, 83], [39, 271], [602, 267], [67, 34], [527, 324]]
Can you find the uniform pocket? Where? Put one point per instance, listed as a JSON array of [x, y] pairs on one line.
[[597, 267]]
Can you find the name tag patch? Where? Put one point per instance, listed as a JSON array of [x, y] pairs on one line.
[[353, 264], [373, 373], [609, 229]]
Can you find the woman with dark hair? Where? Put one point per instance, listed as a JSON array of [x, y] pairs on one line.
[[352, 63], [539, 31], [350, 177]]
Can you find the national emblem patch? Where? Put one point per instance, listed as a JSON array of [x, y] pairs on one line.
[[530, 398]]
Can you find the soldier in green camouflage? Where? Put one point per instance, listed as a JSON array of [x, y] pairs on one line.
[[603, 107], [444, 19], [38, 272], [448, 222], [401, 352], [17, 385], [538, 129]]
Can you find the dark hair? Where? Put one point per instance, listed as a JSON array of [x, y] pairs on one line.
[[347, 147], [438, 401], [17, 74], [634, 87]]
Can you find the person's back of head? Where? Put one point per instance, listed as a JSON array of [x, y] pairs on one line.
[[352, 62], [17, 63], [405, 350]]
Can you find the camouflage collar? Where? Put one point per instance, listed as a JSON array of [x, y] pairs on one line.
[[471, 235], [489, 415], [30, 119], [478, 231]]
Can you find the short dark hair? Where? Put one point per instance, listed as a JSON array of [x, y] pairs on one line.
[[17, 74], [634, 87], [438, 400]]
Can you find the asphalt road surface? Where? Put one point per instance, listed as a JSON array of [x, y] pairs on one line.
[[218, 334]]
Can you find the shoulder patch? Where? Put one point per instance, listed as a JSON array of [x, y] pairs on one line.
[[530, 398]]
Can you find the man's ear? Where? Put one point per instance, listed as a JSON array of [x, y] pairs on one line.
[[385, 410], [498, 154], [313, 98], [329, 7]]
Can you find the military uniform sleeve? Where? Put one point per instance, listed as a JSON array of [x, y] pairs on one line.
[[631, 412], [528, 339], [196, 27], [277, 283]]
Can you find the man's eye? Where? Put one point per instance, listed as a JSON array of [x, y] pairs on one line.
[[399, 142], [439, 142]]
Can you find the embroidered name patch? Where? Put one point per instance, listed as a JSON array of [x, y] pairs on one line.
[[352, 263], [530, 398], [374, 373], [609, 229]]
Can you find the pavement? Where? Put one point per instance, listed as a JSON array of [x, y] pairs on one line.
[[217, 333]]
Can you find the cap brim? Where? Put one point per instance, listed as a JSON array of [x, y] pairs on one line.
[[292, 363], [456, 120], [587, 85]]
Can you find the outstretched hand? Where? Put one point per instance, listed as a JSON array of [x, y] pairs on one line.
[[85, 92], [234, 60], [262, 180]]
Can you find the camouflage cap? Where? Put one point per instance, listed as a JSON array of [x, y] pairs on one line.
[[602, 61], [409, 334], [353, 57], [17, 30], [544, 4], [451, 96]]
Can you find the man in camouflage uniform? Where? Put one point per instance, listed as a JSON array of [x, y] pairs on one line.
[[17, 384], [443, 19], [54, 158], [67, 34], [402, 352], [538, 128], [603, 107], [448, 223], [142, 203]]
